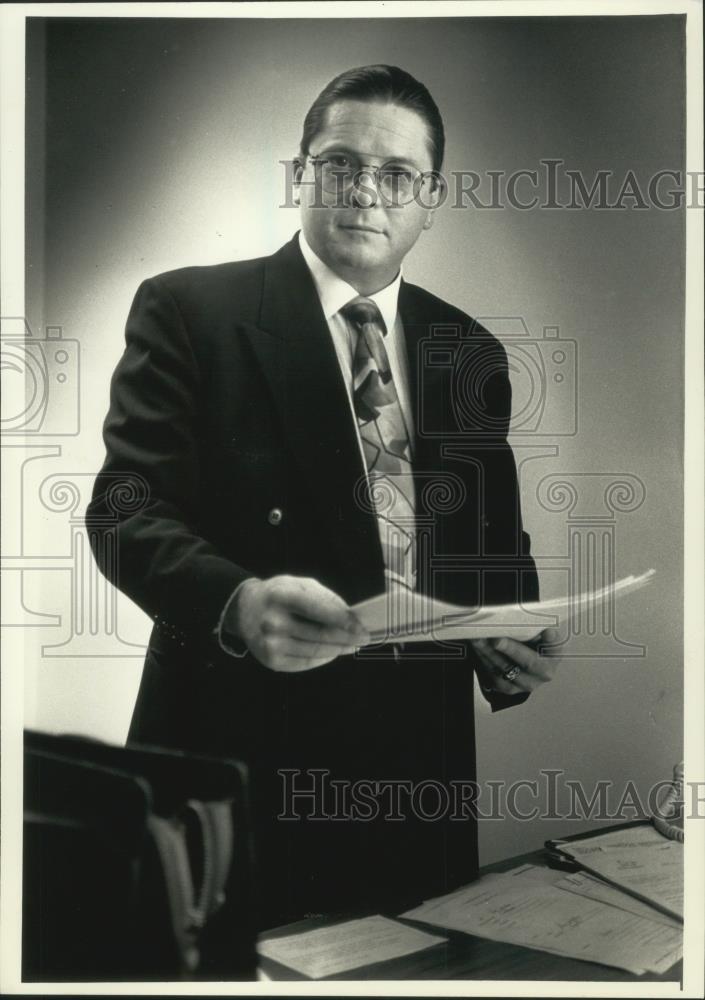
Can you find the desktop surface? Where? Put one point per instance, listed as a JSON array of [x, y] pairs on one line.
[[463, 956]]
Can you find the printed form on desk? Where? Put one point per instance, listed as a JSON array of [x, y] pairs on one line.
[[327, 951], [532, 907], [639, 860]]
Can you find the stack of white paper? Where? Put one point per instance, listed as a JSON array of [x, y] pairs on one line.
[[533, 907], [409, 616], [327, 951], [638, 859], [585, 884]]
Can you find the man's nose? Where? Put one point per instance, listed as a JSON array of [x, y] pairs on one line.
[[364, 192]]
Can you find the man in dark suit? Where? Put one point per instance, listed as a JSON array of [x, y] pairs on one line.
[[259, 417]]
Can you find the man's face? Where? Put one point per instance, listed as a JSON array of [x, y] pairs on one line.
[[359, 234]]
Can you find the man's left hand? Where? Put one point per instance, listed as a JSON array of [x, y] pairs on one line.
[[510, 667]]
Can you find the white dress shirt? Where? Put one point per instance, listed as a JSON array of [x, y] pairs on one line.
[[334, 293]]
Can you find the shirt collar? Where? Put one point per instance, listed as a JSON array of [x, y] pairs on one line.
[[334, 293]]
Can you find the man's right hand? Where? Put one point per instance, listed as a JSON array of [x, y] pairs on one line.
[[292, 623]]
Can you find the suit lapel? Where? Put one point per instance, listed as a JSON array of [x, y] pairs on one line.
[[298, 359], [424, 382]]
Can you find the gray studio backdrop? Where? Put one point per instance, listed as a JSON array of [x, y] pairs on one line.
[[153, 144]]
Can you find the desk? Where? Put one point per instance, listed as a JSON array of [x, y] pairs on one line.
[[465, 957]]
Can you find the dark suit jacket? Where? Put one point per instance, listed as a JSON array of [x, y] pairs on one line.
[[228, 402]]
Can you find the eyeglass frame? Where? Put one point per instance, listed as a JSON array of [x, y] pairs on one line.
[[368, 169]]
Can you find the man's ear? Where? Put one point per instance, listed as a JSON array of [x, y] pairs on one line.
[[438, 189], [299, 164]]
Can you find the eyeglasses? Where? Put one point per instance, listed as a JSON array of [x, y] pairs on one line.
[[338, 172]]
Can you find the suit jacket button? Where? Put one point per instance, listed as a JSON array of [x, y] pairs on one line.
[[275, 516]]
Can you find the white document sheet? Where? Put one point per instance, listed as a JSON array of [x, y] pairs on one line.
[[410, 616], [585, 884], [640, 860], [619, 838], [530, 911], [330, 950]]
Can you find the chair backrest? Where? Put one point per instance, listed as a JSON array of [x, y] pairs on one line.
[[138, 864]]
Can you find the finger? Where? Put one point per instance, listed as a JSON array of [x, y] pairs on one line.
[[490, 682], [490, 666], [551, 642], [280, 652], [499, 665], [526, 657], [289, 663], [535, 669], [311, 600], [305, 650], [297, 664], [502, 662], [496, 661], [547, 642], [521, 680], [279, 626], [301, 628]]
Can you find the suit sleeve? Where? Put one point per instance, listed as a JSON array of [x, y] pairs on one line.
[[516, 547], [227, 641], [143, 518]]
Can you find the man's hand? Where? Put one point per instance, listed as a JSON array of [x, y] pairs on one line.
[[499, 657], [292, 623]]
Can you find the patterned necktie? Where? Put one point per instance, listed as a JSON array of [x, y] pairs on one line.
[[385, 443]]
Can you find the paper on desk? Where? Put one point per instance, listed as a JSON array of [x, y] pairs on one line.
[[585, 884], [532, 912], [537, 873], [619, 837], [411, 616], [640, 860], [330, 950]]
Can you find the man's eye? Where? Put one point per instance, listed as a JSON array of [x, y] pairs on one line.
[[339, 160], [399, 174]]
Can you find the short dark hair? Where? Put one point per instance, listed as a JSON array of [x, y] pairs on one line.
[[382, 83]]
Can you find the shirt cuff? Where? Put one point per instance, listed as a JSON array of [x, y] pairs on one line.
[[498, 700], [228, 642]]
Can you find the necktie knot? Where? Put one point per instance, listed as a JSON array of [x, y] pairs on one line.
[[361, 311]]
